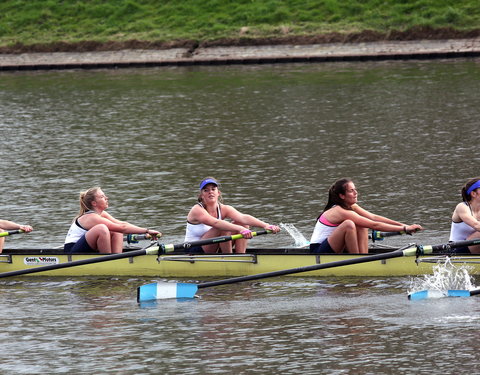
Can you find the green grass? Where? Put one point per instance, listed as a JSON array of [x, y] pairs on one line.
[[31, 22]]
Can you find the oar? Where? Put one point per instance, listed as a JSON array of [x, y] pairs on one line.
[[10, 232], [164, 290], [426, 294], [151, 249]]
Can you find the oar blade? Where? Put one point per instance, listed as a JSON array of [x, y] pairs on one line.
[[431, 294], [155, 291], [459, 293], [423, 294]]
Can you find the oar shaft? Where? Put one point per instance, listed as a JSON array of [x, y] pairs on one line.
[[450, 245], [475, 292], [188, 245], [346, 262]]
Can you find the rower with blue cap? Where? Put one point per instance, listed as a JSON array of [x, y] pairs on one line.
[[207, 219], [466, 216]]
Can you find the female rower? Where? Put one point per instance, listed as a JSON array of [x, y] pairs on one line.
[[343, 224], [207, 220], [466, 217], [10, 225], [96, 230]]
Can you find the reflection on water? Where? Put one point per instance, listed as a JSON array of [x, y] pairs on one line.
[[276, 137]]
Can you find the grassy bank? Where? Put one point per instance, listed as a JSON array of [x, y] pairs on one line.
[[45, 24]]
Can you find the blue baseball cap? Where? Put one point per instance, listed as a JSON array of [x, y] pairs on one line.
[[208, 181]]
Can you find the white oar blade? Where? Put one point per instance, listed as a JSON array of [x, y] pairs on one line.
[[156, 291], [430, 294]]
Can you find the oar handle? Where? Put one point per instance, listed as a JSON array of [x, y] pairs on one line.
[[168, 248], [379, 236], [135, 238], [10, 232]]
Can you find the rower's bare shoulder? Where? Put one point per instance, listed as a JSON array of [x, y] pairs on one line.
[[461, 208]]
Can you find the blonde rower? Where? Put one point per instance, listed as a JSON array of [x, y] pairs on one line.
[[94, 229]]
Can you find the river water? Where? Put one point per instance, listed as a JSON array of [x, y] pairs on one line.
[[276, 136]]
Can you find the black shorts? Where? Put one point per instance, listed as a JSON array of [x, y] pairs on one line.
[[81, 246], [321, 248]]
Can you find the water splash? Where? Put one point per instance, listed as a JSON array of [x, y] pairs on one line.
[[299, 238], [446, 276]]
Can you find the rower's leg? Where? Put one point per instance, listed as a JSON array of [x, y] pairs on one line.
[[98, 238], [344, 237], [116, 239], [362, 236], [241, 245]]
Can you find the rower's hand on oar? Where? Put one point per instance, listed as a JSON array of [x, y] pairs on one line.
[[410, 229], [273, 228], [26, 228], [153, 234], [246, 233]]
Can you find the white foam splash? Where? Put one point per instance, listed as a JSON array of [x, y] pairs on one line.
[[446, 276], [299, 238]]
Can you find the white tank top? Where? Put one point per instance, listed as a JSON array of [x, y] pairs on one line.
[[323, 229], [76, 231], [194, 232], [460, 231]]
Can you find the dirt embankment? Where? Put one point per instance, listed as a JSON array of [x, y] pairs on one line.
[[421, 33]]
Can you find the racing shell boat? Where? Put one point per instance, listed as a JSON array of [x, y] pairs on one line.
[[181, 264]]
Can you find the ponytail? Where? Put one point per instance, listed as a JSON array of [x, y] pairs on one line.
[[85, 199]]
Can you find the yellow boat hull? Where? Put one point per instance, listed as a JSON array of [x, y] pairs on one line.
[[199, 266]]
